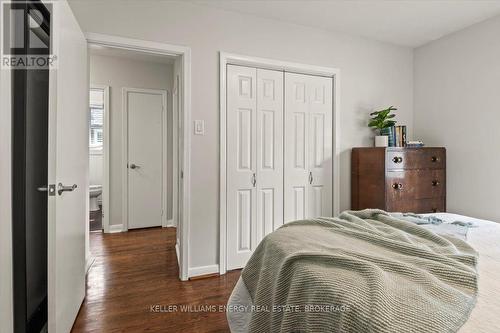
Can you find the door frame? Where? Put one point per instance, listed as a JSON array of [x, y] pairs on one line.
[[164, 151], [6, 259], [284, 66], [184, 53], [105, 157]]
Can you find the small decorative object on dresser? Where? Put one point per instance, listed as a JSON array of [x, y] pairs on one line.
[[399, 179], [382, 122]]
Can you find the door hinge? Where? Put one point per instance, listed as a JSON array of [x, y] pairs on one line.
[[182, 174]]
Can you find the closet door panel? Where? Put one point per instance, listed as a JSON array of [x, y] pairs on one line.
[[269, 151], [241, 164], [296, 147], [319, 91]]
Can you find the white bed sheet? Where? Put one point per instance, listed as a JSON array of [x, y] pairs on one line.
[[485, 317]]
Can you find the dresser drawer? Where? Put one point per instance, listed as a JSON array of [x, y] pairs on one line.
[[415, 184], [422, 158], [421, 206]]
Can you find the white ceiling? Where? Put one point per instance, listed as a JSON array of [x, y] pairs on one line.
[[131, 54], [409, 23]]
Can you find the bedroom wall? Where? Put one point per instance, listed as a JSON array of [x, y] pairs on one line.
[[117, 73], [373, 74], [457, 100]]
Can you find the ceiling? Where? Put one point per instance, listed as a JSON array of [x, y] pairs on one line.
[[408, 23], [131, 54]]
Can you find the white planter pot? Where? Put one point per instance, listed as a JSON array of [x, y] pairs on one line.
[[381, 141]]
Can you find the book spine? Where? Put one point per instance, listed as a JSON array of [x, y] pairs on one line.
[[393, 136], [404, 137]]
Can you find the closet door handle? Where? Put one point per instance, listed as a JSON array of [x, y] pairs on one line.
[[254, 180], [310, 177]]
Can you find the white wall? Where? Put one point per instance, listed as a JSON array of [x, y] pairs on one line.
[[373, 74], [457, 101], [6, 312], [96, 166], [117, 73]]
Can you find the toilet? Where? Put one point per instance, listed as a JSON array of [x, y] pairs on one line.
[[94, 191]]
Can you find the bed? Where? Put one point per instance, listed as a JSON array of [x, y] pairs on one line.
[[484, 318]]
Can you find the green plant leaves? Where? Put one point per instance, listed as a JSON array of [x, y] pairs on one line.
[[381, 119]]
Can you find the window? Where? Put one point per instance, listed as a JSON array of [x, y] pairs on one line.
[[96, 119]]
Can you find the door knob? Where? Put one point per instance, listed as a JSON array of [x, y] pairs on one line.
[[134, 166], [63, 188]]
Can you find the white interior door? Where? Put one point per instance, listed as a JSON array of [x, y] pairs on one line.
[[308, 152], [145, 110], [296, 183], [254, 160], [241, 164], [320, 146], [68, 165], [269, 151]]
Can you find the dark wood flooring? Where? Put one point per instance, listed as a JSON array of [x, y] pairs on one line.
[[138, 269]]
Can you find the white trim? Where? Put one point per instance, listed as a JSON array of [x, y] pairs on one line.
[[175, 147], [170, 223], [105, 156], [163, 93], [88, 264], [185, 54], [285, 66], [203, 270], [114, 228], [6, 302]]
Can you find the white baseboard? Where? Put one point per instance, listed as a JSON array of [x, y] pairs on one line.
[[203, 270], [177, 254], [170, 223], [115, 228]]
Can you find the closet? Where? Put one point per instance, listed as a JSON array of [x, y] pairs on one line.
[[279, 154]]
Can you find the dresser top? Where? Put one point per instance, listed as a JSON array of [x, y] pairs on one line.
[[396, 148]]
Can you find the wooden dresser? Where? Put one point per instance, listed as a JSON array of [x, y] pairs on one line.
[[399, 179]]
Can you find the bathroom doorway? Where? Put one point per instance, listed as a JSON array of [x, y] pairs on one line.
[[98, 157]]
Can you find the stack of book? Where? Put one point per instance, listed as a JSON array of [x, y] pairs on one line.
[[414, 144], [397, 137]]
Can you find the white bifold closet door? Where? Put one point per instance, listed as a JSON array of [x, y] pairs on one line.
[[254, 159], [308, 147]]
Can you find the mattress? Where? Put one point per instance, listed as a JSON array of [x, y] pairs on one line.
[[484, 237]]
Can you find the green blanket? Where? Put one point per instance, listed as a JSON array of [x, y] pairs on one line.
[[363, 271]]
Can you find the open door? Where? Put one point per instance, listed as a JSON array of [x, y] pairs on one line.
[[67, 170]]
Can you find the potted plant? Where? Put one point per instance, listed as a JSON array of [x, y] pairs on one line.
[[382, 122]]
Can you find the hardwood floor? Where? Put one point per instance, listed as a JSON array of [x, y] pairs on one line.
[[138, 269]]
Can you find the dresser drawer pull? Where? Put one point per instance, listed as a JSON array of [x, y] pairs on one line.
[[397, 159], [434, 159], [397, 186], [435, 183]]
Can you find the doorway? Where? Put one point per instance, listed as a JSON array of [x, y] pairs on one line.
[[30, 144], [145, 195]]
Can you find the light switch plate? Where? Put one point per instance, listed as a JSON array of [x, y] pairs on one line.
[[199, 127]]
